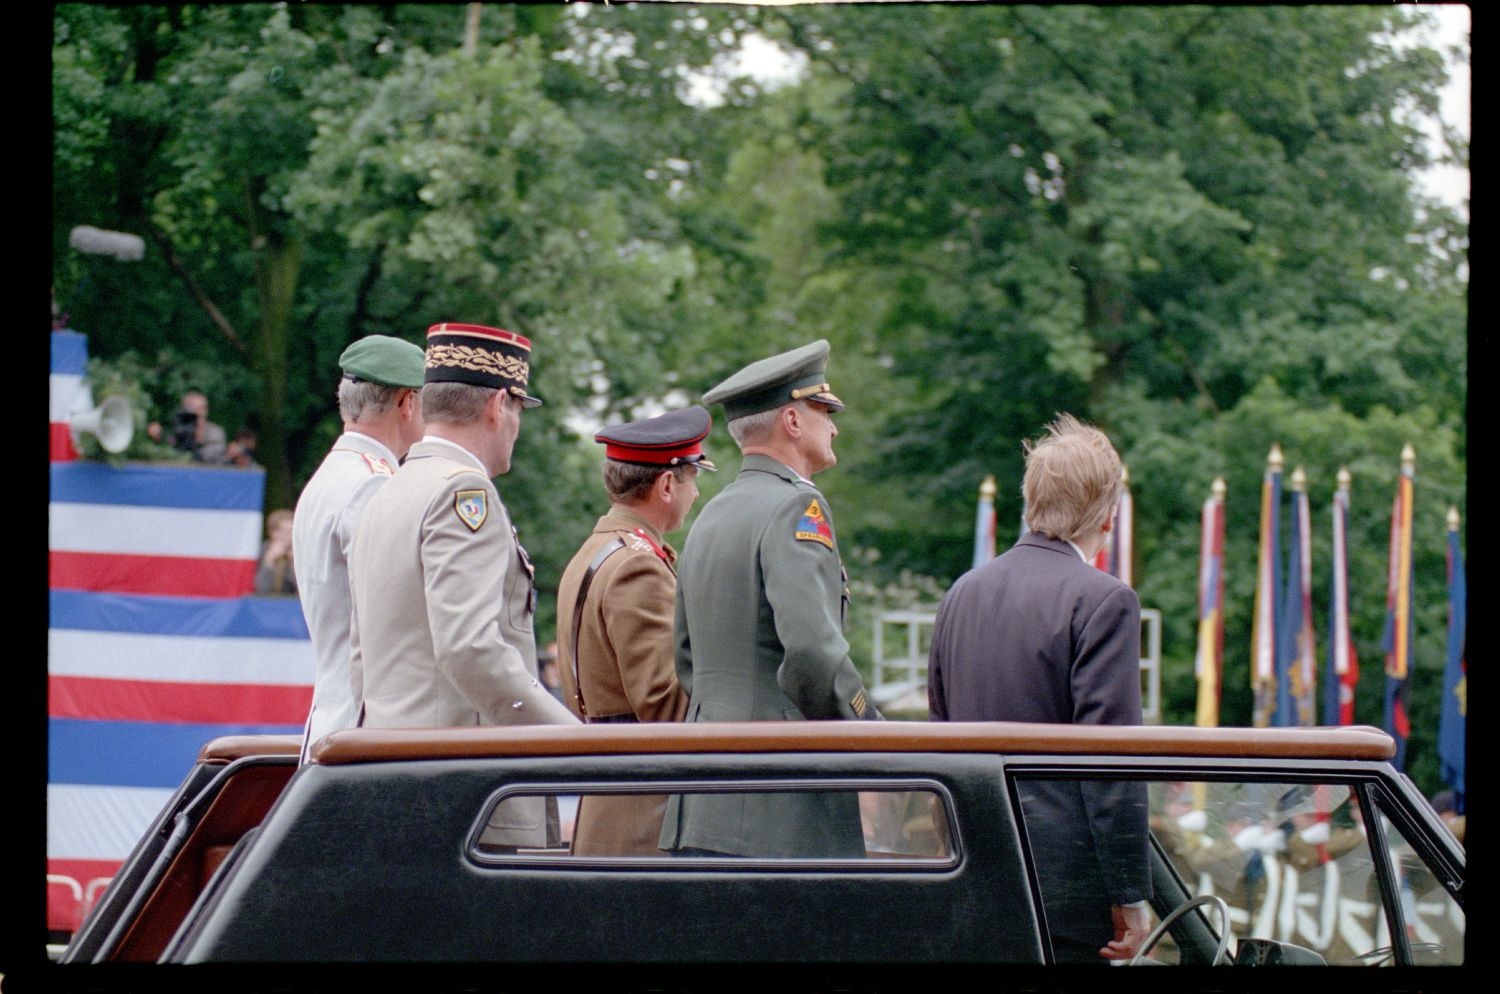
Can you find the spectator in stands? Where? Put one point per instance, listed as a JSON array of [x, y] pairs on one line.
[[274, 574], [192, 432], [241, 451]]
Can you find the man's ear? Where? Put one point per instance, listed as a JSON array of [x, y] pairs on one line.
[[665, 486], [791, 420]]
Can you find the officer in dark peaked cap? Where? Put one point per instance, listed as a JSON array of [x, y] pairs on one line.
[[615, 604], [761, 608]]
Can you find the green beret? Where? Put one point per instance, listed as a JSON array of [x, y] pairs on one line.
[[388, 361], [781, 379]]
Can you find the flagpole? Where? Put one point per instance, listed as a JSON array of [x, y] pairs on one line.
[[1302, 664], [1453, 717], [1342, 669], [1209, 665], [984, 523], [1263, 644], [1398, 609]]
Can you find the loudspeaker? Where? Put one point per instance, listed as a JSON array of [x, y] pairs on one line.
[[111, 421]]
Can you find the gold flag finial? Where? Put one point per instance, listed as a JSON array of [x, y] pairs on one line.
[[1299, 480], [1344, 478], [1218, 489], [1408, 457], [1273, 461], [987, 489], [1453, 519]]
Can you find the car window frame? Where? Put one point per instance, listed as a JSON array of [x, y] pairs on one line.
[[1363, 777], [736, 864]]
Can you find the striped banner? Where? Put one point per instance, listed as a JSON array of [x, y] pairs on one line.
[[1117, 556], [67, 390], [154, 646], [1398, 622], [1208, 666], [1267, 586], [984, 524], [1453, 718], [1341, 673]]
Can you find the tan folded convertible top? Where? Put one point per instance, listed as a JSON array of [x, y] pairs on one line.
[[360, 745]]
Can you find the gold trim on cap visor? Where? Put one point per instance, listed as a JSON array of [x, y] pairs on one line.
[[801, 392]]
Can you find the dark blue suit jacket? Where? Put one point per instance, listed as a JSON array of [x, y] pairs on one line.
[[1038, 634]]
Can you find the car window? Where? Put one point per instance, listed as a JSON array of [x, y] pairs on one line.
[[1292, 861], [896, 824], [1433, 919]]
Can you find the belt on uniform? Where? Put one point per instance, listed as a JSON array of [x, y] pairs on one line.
[[614, 719]]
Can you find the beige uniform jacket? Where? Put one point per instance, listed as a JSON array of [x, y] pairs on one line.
[[624, 663], [441, 627]]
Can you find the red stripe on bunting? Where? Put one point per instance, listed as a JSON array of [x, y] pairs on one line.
[[73, 887], [190, 703], [60, 442], [167, 576]]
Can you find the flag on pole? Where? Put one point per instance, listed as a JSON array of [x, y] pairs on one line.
[[1296, 658], [1209, 664], [1453, 722], [1115, 556], [984, 523], [1267, 585], [67, 391], [1341, 674], [1398, 600]]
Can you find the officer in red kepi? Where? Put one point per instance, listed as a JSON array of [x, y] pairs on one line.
[[615, 605]]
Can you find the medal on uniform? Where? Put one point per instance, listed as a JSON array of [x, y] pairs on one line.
[[472, 508]]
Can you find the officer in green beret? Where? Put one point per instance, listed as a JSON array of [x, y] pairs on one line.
[[380, 403], [760, 610]]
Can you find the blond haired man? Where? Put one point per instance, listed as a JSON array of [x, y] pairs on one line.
[[1038, 634]]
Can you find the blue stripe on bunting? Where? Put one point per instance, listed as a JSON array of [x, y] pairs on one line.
[[196, 487], [133, 753], [70, 353], [140, 614]]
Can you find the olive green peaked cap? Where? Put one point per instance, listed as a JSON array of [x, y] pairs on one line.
[[781, 379], [388, 361]]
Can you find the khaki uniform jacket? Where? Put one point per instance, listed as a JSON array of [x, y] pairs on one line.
[[624, 664], [322, 533], [760, 612], [441, 632]]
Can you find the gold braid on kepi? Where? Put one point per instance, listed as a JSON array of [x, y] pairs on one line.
[[475, 354]]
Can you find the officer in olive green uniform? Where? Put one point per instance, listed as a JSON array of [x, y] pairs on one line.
[[760, 613], [615, 607]]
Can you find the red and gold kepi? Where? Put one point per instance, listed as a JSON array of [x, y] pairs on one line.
[[484, 357]]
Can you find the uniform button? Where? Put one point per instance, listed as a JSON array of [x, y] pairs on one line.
[[517, 705]]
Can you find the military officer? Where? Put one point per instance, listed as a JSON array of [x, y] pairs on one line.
[[760, 609], [442, 630], [381, 407], [615, 604]]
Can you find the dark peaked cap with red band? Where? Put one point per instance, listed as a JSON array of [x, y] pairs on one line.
[[671, 439], [483, 357], [776, 381]]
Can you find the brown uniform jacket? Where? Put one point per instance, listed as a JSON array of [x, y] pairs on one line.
[[624, 663]]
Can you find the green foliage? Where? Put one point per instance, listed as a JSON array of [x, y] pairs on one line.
[[1195, 226]]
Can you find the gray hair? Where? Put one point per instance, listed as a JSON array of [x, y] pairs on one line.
[[754, 429], [454, 403], [360, 399]]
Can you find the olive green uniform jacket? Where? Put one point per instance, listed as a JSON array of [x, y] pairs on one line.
[[624, 664], [761, 604]]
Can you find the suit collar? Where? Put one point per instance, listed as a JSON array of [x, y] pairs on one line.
[[1039, 541]]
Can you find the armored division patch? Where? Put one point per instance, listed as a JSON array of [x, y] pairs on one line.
[[472, 507], [814, 526]]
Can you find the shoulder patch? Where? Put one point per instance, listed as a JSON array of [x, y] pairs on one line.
[[378, 466], [813, 526], [472, 508]]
